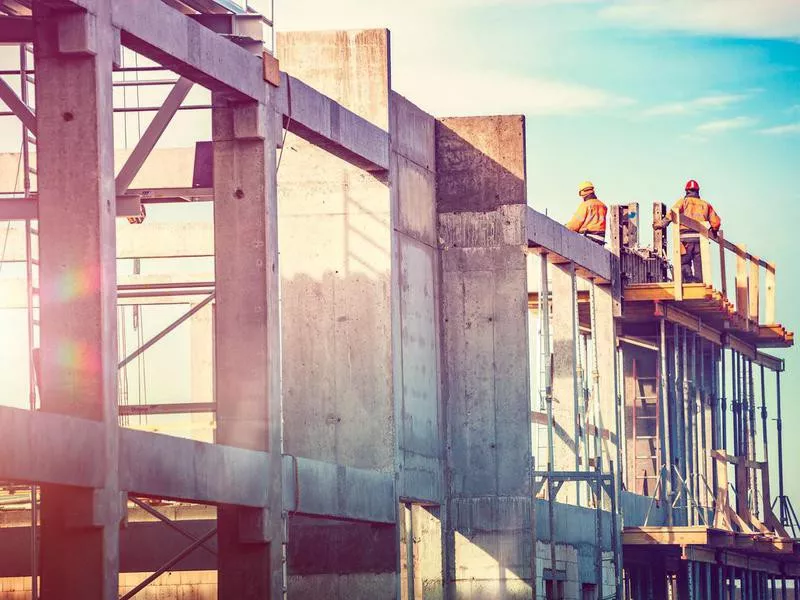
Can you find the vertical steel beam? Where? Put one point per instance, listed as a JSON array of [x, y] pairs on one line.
[[723, 385], [779, 424], [764, 415], [247, 339], [664, 424], [751, 408], [684, 416], [80, 527]]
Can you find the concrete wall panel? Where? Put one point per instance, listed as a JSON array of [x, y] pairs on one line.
[[335, 234], [351, 67], [481, 198]]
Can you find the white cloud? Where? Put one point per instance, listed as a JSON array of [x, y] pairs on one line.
[[698, 104], [791, 128], [779, 19], [724, 125], [453, 92]]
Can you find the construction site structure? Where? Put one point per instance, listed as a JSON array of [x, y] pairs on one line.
[[332, 351]]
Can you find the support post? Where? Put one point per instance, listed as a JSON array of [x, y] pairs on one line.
[[705, 260], [247, 336], [742, 287], [664, 425], [677, 272], [779, 425], [752, 290], [564, 398], [80, 526], [769, 298]]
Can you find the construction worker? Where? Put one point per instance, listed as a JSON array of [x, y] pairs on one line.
[[590, 218], [694, 207]]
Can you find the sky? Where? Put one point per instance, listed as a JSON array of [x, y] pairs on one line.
[[637, 96]]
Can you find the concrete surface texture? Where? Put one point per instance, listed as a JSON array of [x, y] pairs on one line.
[[481, 187]]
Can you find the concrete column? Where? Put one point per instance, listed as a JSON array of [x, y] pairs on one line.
[[563, 329], [339, 326], [80, 527], [606, 364], [415, 303], [247, 336], [481, 203]]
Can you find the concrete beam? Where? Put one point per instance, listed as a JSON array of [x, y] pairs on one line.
[[328, 125], [51, 449], [563, 245], [162, 466], [314, 487], [48, 448], [163, 34], [16, 30]]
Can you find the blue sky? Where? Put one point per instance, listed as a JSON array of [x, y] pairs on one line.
[[636, 95]]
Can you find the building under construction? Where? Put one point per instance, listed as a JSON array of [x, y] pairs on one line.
[[322, 347]]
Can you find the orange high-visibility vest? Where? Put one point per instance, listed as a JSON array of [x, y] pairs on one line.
[[699, 210], [589, 218]]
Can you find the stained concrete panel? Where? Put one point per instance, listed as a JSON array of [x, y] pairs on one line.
[[480, 163], [415, 302], [420, 438], [416, 200], [413, 132], [351, 67], [335, 234]]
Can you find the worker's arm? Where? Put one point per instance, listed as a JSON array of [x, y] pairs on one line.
[[675, 210], [713, 219], [577, 220]]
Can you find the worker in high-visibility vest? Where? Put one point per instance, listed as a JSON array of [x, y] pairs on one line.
[[590, 218], [694, 207]]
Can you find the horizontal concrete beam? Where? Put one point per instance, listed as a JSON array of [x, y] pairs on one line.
[[40, 446], [328, 125], [568, 246], [165, 35], [162, 466], [49, 448], [16, 30], [317, 488]]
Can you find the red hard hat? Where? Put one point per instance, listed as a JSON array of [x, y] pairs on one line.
[[692, 186]]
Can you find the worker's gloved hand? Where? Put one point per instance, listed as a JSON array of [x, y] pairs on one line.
[[714, 233]]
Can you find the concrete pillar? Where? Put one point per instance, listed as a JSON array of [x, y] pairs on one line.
[[606, 365], [415, 303], [337, 261], [247, 336], [428, 563], [563, 329], [80, 527], [482, 205]]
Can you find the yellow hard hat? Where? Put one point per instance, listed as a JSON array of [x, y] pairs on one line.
[[585, 186]]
